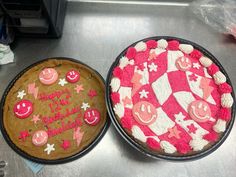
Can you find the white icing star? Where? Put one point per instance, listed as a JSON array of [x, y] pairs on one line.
[[179, 117], [196, 65], [143, 93], [21, 94], [85, 106], [49, 148], [62, 82], [152, 67]]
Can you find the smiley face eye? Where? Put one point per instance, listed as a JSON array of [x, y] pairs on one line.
[[23, 104], [200, 105], [93, 113], [205, 108], [71, 73], [18, 106], [149, 109], [49, 70], [142, 108]]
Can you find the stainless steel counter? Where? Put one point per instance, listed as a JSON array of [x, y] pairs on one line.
[[96, 33]]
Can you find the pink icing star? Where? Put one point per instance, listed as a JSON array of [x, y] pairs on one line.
[[193, 77], [152, 55], [79, 88], [192, 128], [66, 144], [174, 132], [127, 101], [78, 136], [92, 93], [24, 135], [35, 118]]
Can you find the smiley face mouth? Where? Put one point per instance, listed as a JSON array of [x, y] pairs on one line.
[[91, 122], [145, 122], [72, 78], [184, 67], [20, 115], [40, 142], [48, 80]]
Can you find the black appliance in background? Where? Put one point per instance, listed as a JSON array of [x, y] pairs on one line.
[[35, 18]]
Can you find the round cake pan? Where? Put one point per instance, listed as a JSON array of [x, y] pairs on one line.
[[39, 160], [136, 145]]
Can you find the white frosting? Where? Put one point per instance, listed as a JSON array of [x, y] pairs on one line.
[[205, 61], [115, 84], [124, 61], [179, 119], [125, 92], [162, 43], [167, 147], [141, 46], [172, 56], [162, 123], [162, 88], [195, 87], [186, 48], [144, 73], [220, 126], [119, 110], [227, 100], [219, 77], [157, 51], [198, 144], [131, 62], [138, 134], [184, 99]]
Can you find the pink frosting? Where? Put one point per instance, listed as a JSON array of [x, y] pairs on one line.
[[115, 97], [224, 114], [173, 45], [131, 52], [225, 88], [182, 147], [212, 136], [196, 54], [117, 72], [212, 69], [151, 44]]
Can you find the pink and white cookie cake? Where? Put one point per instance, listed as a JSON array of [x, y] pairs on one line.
[[170, 98]]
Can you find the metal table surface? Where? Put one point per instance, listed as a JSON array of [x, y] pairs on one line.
[[96, 33]]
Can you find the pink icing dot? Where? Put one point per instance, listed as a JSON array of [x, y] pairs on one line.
[[23, 109], [153, 144], [72, 76], [151, 44], [225, 88], [173, 45], [196, 54], [92, 117], [212, 136], [115, 97], [131, 52], [224, 114], [48, 76], [40, 138], [212, 69]]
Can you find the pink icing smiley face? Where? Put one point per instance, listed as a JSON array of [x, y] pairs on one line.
[[200, 111], [40, 138], [48, 76], [92, 116], [183, 63], [144, 113], [72, 76], [23, 109]]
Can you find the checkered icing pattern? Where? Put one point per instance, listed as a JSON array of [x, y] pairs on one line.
[[156, 91]]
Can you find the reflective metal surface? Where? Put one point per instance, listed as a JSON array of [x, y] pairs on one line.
[[96, 33]]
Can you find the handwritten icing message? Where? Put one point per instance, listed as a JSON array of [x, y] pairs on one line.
[[56, 101]]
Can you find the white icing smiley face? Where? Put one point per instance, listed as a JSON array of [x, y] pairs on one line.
[[40, 138], [200, 111], [72, 76], [144, 113], [23, 109], [92, 116], [183, 63], [48, 76]]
